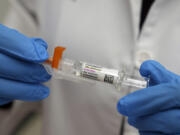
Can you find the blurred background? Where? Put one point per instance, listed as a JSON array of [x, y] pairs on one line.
[[31, 122]]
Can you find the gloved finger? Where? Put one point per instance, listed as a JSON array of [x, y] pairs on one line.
[[23, 91], [17, 45], [164, 122], [150, 100], [4, 101], [157, 73], [151, 133], [22, 71]]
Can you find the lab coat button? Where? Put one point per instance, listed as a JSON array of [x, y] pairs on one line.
[[142, 56]]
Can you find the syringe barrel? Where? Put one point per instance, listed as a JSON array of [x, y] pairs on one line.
[[131, 81], [82, 71]]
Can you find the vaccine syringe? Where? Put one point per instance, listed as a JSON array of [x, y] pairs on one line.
[[67, 69]]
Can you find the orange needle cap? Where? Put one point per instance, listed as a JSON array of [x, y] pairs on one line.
[[58, 52]]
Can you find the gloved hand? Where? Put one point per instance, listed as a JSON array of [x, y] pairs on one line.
[[21, 73], [154, 110]]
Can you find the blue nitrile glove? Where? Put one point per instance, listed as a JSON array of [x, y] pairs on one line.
[[21, 73], [154, 110]]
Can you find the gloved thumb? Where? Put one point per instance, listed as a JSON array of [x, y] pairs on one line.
[[156, 72]]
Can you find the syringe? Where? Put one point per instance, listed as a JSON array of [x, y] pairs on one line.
[[81, 71]]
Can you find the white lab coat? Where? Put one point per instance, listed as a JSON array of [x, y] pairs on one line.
[[103, 32]]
